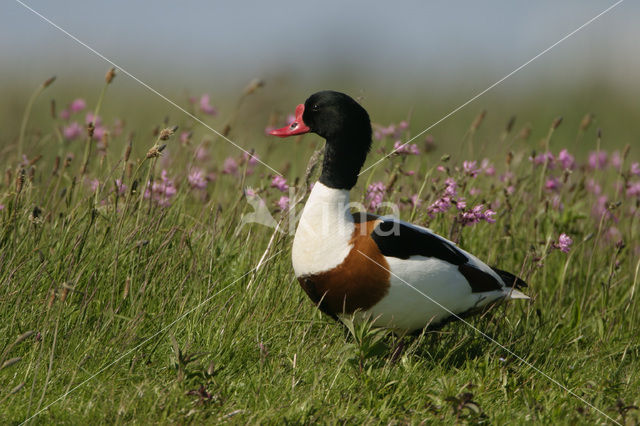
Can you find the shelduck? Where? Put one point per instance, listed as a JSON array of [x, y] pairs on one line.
[[402, 276]]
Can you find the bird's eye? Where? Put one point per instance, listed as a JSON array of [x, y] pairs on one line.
[[315, 108]]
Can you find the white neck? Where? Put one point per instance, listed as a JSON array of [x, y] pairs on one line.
[[324, 232]]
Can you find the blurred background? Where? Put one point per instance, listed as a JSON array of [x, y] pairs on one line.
[[410, 59]]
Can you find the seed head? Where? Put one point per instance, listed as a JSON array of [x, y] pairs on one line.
[[556, 122], [586, 121], [7, 177], [525, 132], [111, 74], [127, 285], [127, 152], [67, 160], [56, 166], [510, 124], [478, 120], [625, 151], [167, 132], [90, 129], [253, 85], [52, 298], [155, 151], [48, 82], [20, 180]]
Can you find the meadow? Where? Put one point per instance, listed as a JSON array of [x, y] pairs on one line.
[[133, 291]]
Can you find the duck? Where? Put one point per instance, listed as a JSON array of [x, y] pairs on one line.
[[399, 275]]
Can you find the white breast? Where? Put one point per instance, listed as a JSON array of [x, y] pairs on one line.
[[323, 236]]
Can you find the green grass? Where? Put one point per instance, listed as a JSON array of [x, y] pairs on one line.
[[138, 313]]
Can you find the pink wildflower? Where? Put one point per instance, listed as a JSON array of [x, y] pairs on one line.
[[280, 183], [201, 153], [487, 168], [251, 159], [230, 166], [196, 179], [592, 186], [470, 168], [95, 119], [508, 176], [633, 190], [635, 169], [564, 243], [375, 194], [613, 234], [476, 214], [161, 191], [65, 114], [78, 105], [567, 161], [597, 159], [556, 203], [450, 187], [392, 130], [184, 137], [545, 157], [205, 105], [121, 187], [250, 192], [72, 131], [474, 192], [94, 184], [415, 201], [99, 133], [283, 203], [552, 184], [616, 159], [406, 149]]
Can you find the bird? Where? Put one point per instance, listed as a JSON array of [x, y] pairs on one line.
[[401, 276]]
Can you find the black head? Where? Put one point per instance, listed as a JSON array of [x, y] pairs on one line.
[[345, 125], [333, 114]]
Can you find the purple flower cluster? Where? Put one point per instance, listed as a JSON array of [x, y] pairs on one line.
[[280, 183], [283, 203], [476, 215], [445, 202], [72, 131], [161, 191], [566, 160], [375, 194], [598, 159], [406, 148], [564, 243], [230, 166], [471, 168], [197, 179], [542, 158], [392, 130], [205, 105]]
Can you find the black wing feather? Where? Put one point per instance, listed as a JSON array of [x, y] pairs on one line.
[[400, 240], [396, 239]]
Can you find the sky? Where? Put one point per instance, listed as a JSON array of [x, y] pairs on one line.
[[395, 44]]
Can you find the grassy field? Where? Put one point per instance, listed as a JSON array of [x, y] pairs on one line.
[[131, 291]]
